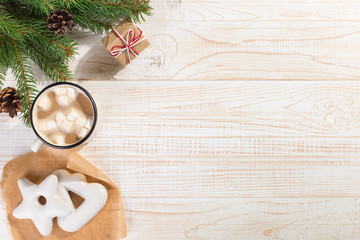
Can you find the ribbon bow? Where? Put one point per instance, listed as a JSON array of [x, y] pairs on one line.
[[130, 42]]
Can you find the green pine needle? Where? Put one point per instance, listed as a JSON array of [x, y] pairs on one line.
[[3, 71], [25, 81]]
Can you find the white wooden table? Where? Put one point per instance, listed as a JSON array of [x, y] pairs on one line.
[[240, 122]]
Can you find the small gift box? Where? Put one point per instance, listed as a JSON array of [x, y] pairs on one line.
[[125, 42]]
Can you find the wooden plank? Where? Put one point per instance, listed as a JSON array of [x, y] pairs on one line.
[[258, 179], [230, 51], [161, 140], [189, 176], [246, 219], [230, 109], [255, 11]]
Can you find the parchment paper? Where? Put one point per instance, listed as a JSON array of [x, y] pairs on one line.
[[108, 224]]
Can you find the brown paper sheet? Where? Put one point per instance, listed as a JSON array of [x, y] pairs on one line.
[[108, 224], [123, 28]]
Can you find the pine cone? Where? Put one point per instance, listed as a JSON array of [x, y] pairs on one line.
[[10, 101], [60, 21]]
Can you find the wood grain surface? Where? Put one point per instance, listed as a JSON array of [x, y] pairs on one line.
[[240, 122]]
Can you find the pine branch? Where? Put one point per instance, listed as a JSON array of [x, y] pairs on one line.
[[40, 8], [25, 83], [97, 26], [59, 48], [88, 13], [11, 27], [138, 8], [3, 70], [58, 71], [3, 65]]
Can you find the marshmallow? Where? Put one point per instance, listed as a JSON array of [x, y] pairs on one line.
[[60, 90], [88, 124], [63, 100], [66, 126], [44, 103], [59, 139], [72, 115], [65, 95], [50, 124], [71, 92], [60, 117], [83, 133], [81, 121], [41, 126]]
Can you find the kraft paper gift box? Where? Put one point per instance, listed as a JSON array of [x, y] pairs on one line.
[[125, 42]]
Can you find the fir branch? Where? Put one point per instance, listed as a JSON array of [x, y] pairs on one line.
[[58, 71], [3, 65], [138, 8], [3, 70], [40, 8], [64, 47], [60, 48], [11, 27], [7, 53], [96, 25], [106, 11], [26, 84]]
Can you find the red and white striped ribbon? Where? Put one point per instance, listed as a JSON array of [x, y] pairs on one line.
[[129, 44]]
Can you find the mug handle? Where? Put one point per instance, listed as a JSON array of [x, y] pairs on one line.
[[36, 145]]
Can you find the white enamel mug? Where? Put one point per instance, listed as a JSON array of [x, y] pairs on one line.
[[40, 141]]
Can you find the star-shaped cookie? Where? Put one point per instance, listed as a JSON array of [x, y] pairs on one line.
[[41, 203]]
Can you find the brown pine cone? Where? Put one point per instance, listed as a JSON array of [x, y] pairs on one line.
[[10, 101], [60, 21]]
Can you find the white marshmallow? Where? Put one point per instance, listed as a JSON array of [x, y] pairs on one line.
[[71, 92], [60, 117], [81, 121], [83, 133], [51, 124], [88, 124], [60, 90], [41, 126], [66, 126], [63, 100], [72, 115], [65, 95], [59, 139], [44, 103]]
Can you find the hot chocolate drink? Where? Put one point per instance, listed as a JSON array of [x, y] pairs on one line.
[[63, 115]]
